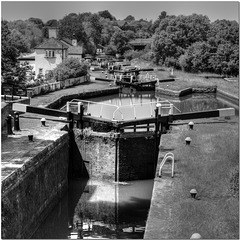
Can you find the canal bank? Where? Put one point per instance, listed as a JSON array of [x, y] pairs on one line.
[[35, 172], [34, 176], [209, 165]]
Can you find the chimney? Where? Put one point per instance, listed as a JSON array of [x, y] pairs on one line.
[[74, 40], [52, 32]]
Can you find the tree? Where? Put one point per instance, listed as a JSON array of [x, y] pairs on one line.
[[226, 59], [9, 52], [106, 14], [93, 28], [224, 31], [52, 23], [107, 31], [37, 21], [70, 25], [129, 18], [157, 22], [120, 40], [176, 34], [196, 58], [164, 47], [111, 49], [19, 41], [31, 32]]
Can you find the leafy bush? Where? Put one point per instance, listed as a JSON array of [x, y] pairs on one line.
[[69, 68], [33, 83]]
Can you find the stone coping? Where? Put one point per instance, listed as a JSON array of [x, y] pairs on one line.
[[82, 95], [197, 89], [186, 91], [18, 153]]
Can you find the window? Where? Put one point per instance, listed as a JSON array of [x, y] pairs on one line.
[[50, 54], [40, 71]]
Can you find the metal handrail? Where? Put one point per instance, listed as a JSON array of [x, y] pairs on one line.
[[170, 156], [111, 113]]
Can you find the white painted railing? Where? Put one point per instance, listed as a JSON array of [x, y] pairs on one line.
[[124, 112], [170, 156]]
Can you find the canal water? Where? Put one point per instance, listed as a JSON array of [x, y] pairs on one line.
[[101, 209], [190, 103]]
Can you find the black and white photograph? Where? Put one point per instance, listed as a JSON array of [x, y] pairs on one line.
[[120, 119]]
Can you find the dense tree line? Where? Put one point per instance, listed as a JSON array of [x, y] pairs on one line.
[[194, 44], [191, 43]]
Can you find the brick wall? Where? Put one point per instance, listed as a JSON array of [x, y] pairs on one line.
[[30, 193]]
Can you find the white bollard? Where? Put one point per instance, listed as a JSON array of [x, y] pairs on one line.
[[159, 106]]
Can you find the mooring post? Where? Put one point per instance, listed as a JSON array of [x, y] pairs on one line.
[[156, 135], [117, 137], [170, 116], [16, 121], [158, 112], [80, 115], [9, 124], [156, 116]]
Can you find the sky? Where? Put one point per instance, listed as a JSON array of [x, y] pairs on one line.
[[47, 10]]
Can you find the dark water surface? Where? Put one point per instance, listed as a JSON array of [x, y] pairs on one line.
[[100, 209]]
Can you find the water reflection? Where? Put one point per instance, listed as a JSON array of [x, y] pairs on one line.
[[190, 103], [100, 209]]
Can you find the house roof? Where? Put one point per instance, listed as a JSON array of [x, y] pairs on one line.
[[52, 43], [141, 41], [27, 57], [100, 46], [66, 40]]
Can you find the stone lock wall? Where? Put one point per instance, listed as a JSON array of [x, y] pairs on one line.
[[105, 156], [30, 193], [96, 154], [137, 156]]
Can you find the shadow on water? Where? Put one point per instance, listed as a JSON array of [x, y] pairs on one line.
[[100, 209]]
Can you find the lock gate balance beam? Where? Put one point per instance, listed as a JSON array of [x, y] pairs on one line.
[[38, 110]]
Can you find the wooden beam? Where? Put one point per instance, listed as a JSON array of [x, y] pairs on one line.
[[38, 110], [205, 114], [136, 122]]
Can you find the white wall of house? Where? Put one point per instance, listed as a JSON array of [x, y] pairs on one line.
[[43, 63]]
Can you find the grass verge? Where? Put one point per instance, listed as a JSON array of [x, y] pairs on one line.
[[186, 80], [209, 164]]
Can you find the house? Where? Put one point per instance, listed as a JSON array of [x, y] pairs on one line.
[[100, 49], [140, 43], [53, 51], [100, 54]]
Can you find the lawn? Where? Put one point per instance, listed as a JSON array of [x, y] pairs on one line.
[[210, 165], [185, 80]]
